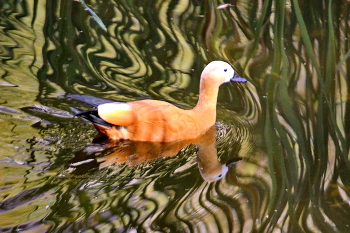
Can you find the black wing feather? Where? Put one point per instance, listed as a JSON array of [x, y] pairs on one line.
[[91, 116], [90, 100]]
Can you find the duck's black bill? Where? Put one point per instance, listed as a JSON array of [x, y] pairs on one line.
[[237, 78]]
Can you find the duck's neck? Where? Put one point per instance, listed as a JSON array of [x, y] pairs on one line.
[[206, 106]]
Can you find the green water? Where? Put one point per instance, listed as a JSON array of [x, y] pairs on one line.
[[284, 135]]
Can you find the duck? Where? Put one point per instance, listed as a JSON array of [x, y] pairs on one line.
[[159, 121]]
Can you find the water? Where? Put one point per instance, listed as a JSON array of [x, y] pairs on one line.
[[277, 159]]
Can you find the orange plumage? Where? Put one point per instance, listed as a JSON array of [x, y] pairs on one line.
[[159, 121]]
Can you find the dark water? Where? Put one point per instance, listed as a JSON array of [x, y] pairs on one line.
[[276, 161]]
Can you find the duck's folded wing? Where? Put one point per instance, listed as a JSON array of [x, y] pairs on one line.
[[117, 113], [90, 100], [91, 116], [108, 112]]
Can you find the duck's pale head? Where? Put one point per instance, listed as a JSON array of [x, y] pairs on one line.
[[219, 72]]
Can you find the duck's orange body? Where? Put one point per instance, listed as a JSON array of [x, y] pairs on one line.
[[159, 121]]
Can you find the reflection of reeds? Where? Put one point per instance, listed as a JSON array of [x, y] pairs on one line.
[[296, 56], [305, 109], [294, 53]]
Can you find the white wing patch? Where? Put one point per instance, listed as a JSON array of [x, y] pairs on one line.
[[112, 107]]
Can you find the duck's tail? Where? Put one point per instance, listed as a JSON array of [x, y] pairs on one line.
[[91, 116]]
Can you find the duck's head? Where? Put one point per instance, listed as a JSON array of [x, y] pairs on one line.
[[219, 72]]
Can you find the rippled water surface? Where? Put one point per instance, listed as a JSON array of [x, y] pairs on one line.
[[277, 159]]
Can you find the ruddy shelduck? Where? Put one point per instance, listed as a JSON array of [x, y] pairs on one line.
[[159, 121]]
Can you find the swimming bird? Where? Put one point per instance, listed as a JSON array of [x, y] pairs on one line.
[[160, 121]]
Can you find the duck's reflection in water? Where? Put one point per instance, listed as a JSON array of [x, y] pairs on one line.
[[107, 153]]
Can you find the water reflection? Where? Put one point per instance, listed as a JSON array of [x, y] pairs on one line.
[[98, 190], [108, 153], [294, 175]]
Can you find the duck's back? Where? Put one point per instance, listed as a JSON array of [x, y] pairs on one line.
[[161, 121]]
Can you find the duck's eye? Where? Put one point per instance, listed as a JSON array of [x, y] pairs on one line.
[[225, 70]]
